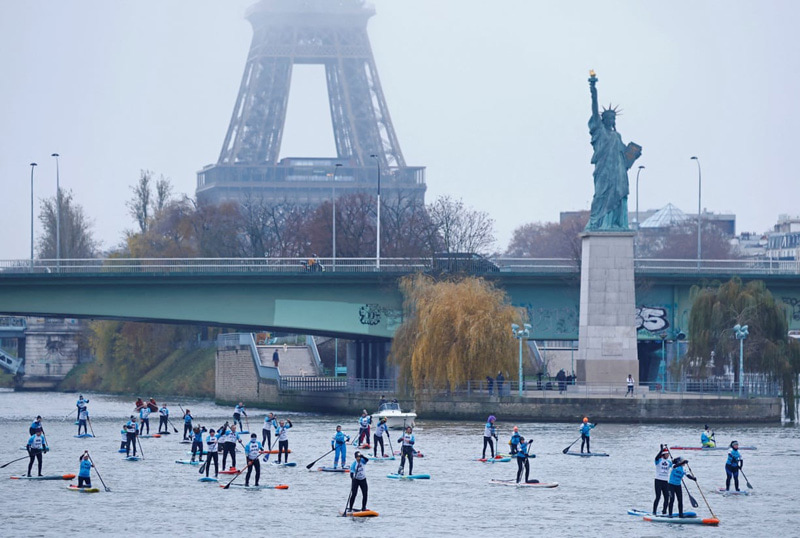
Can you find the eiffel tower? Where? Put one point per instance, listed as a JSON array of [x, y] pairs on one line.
[[333, 34]]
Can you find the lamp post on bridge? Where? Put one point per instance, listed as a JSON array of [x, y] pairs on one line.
[[33, 165], [520, 334], [699, 211], [333, 234], [58, 213], [636, 243], [741, 332], [378, 222]]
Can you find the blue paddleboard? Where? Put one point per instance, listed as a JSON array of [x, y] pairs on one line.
[[409, 476]]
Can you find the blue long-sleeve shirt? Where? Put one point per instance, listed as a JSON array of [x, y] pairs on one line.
[[339, 438], [733, 458], [586, 429], [86, 468]]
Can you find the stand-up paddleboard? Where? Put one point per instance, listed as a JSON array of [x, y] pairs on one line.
[[381, 458], [364, 513], [45, 477], [243, 432], [133, 458], [285, 464], [396, 476], [154, 436], [416, 454], [232, 470], [83, 436], [188, 462], [185, 442], [705, 448], [587, 454], [726, 492], [496, 460], [73, 487], [275, 451], [531, 484], [203, 453], [122, 451], [642, 513], [682, 520], [164, 433], [208, 479], [243, 486], [333, 470]]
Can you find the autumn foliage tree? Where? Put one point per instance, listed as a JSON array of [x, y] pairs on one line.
[[453, 331]]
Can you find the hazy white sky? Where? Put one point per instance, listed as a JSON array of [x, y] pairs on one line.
[[490, 96]]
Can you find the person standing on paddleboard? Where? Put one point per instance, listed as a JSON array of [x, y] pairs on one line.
[[228, 438], [36, 425], [238, 411], [732, 466], [37, 445], [363, 428], [283, 439], [358, 479], [707, 438], [83, 418], [381, 430], [253, 449], [407, 440], [81, 405], [124, 438], [131, 431], [187, 425], [339, 446], [522, 456], [663, 467], [144, 419], [675, 488], [85, 472], [163, 417], [212, 444], [514, 441], [586, 431], [489, 432], [197, 441], [266, 433]]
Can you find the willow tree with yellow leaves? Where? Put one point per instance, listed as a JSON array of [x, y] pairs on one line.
[[453, 331]]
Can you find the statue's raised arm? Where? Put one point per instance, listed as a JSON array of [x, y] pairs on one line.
[[593, 91]]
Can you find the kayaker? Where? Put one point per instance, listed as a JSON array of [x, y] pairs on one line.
[[35, 425], [283, 439], [407, 451], [131, 431], [228, 438], [266, 432], [586, 432], [163, 418], [187, 425], [707, 438], [522, 456], [144, 419], [358, 479], [81, 404], [675, 489], [489, 432], [252, 450], [514, 441], [732, 466], [212, 448], [339, 446], [83, 418], [663, 467], [139, 404], [85, 472], [152, 405], [238, 411], [363, 428], [380, 431], [197, 442], [37, 445]]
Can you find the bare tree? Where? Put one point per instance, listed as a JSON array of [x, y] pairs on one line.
[[163, 194], [75, 230], [461, 229], [139, 204], [549, 239]]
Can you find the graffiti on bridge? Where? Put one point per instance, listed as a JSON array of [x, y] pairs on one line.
[[373, 314], [794, 304], [651, 318], [553, 322]]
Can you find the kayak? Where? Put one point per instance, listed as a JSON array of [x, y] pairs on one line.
[[531, 484], [496, 460], [710, 448], [133, 458], [279, 486], [587, 454], [683, 520], [416, 454], [232, 470], [364, 513], [208, 479], [188, 462], [45, 477], [83, 436], [727, 492], [396, 476], [333, 470], [642, 513], [73, 487]]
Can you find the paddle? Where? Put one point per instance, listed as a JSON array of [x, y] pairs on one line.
[[65, 416], [98, 472], [570, 445], [344, 512], [391, 448], [141, 450], [692, 500], [90, 426], [266, 458], [13, 461], [228, 485], [701, 493], [171, 424], [745, 479], [310, 465]]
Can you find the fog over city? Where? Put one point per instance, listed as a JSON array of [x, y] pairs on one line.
[[491, 97]]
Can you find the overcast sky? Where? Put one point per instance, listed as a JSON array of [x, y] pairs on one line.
[[491, 97]]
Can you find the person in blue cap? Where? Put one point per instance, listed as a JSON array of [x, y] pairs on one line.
[[675, 488], [522, 456], [358, 480], [732, 466], [85, 472], [489, 432], [339, 446]]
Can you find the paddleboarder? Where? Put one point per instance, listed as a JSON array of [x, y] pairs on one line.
[[707, 438], [522, 456], [83, 417], [514, 441], [81, 404], [489, 432], [238, 411], [663, 468], [732, 466], [252, 450], [85, 472], [35, 426], [675, 489], [586, 431], [381, 430], [187, 425], [358, 480], [407, 451], [124, 438], [339, 446], [37, 445], [144, 418], [212, 447], [197, 441], [131, 431], [283, 439], [163, 418], [266, 433], [363, 427], [228, 438]]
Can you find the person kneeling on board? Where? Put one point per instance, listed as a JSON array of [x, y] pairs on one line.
[[358, 480], [663, 467], [522, 456], [732, 466], [407, 452], [707, 439], [253, 449], [85, 472], [675, 489], [123, 445], [37, 445]]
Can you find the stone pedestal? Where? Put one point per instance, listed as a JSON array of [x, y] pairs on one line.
[[607, 335]]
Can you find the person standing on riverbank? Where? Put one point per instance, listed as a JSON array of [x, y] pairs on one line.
[[283, 439], [586, 432], [85, 472], [630, 384], [131, 431], [663, 467], [163, 418], [275, 358], [238, 411], [187, 425], [489, 432], [407, 451], [37, 445], [358, 480], [339, 446]]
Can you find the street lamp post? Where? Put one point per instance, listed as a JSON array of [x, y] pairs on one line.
[[520, 334], [335, 168], [639, 171], [33, 165], [699, 211], [58, 213], [741, 332], [378, 224]]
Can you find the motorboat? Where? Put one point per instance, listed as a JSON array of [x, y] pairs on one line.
[[396, 419]]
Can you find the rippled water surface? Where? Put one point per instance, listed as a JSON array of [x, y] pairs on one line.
[[158, 497]]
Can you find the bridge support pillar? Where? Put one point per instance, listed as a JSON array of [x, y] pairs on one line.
[[607, 350]]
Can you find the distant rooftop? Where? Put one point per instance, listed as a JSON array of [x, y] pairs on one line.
[[666, 217]]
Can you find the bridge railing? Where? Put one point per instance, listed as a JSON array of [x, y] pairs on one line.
[[335, 384]]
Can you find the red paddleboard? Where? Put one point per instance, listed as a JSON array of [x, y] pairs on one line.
[[232, 470]]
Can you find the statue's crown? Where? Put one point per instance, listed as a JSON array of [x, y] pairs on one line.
[[612, 111]]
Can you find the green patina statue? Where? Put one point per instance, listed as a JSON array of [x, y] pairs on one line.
[[611, 160]]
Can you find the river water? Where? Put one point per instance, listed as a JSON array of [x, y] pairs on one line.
[[158, 497]]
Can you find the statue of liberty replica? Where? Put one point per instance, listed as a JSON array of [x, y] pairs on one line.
[[611, 160]]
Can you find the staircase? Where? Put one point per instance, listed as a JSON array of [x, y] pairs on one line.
[[294, 360], [10, 363]]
